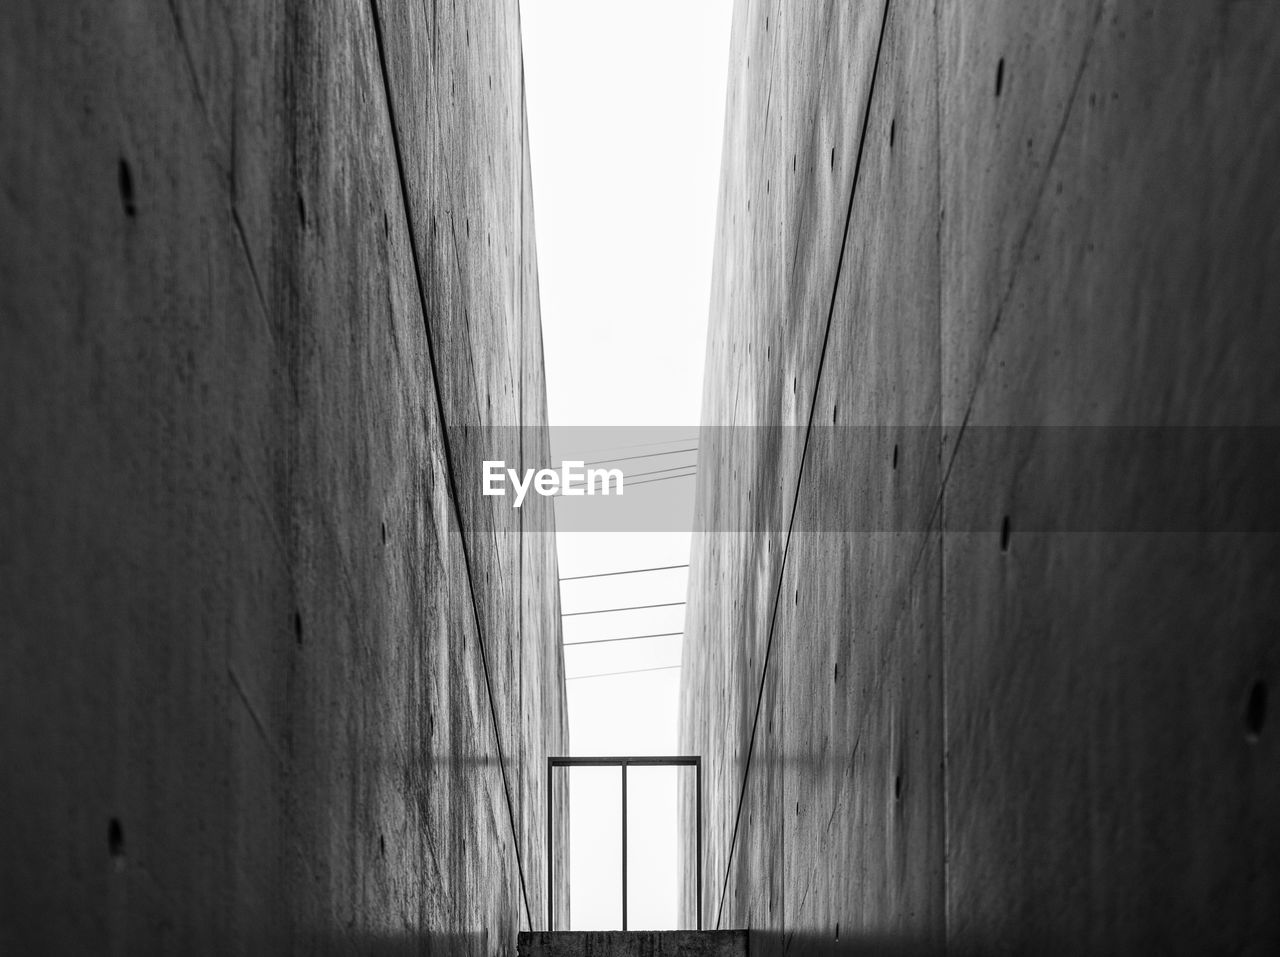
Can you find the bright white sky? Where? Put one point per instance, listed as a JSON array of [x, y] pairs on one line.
[[625, 107]]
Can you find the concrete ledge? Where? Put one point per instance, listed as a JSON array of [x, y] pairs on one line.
[[634, 943]]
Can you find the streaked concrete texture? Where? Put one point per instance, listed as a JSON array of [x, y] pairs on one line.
[[940, 218], [277, 679]]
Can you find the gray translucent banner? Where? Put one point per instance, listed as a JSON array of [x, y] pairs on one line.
[[883, 478]]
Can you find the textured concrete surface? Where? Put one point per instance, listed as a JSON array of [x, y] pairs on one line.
[[634, 943], [938, 219], [277, 679]]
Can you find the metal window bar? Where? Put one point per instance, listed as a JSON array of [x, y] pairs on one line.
[[682, 760]]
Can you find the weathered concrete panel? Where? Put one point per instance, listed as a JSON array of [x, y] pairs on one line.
[[278, 679], [1143, 292], [920, 735]]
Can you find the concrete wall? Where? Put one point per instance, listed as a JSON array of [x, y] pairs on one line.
[[276, 678], [938, 219]]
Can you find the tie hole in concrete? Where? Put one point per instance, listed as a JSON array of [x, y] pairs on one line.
[[125, 177], [1255, 711]]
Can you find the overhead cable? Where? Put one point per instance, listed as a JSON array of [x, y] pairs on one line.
[[602, 611], [627, 571], [605, 641], [610, 674]]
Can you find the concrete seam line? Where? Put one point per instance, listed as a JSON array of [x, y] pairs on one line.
[[943, 724], [448, 450], [795, 501]]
